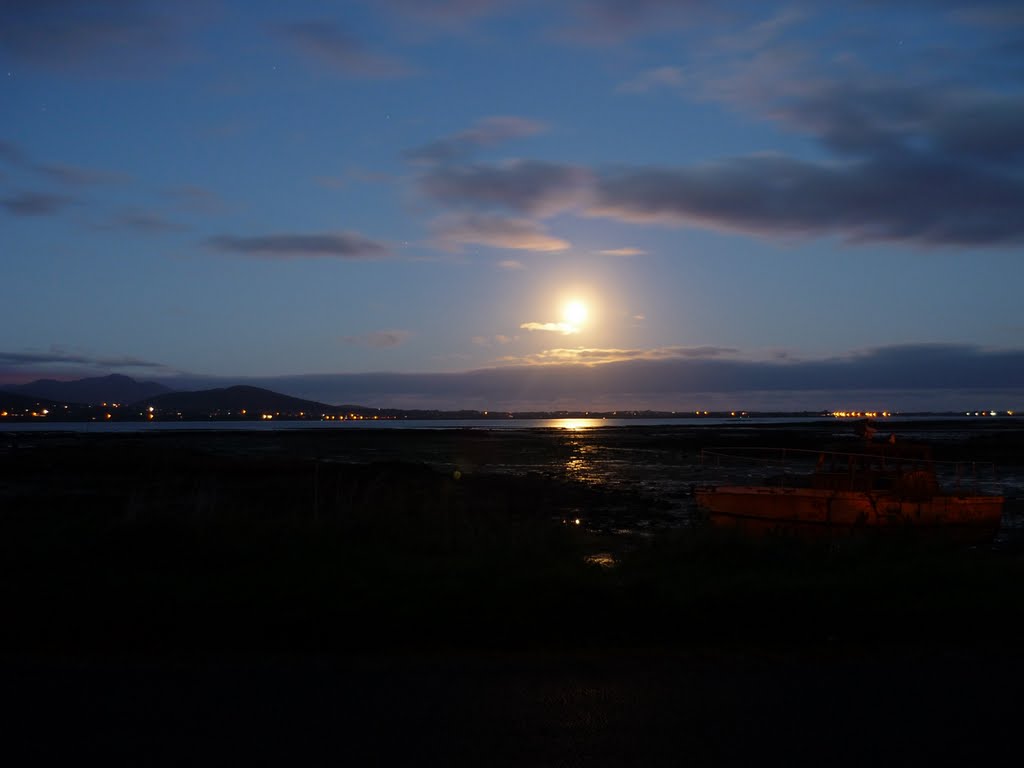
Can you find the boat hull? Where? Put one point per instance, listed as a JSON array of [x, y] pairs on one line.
[[766, 508]]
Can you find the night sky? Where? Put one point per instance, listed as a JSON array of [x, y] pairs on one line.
[[518, 204]]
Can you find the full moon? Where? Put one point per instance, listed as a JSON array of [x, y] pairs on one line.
[[575, 313]]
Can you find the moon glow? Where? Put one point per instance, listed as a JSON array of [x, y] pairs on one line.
[[575, 313]]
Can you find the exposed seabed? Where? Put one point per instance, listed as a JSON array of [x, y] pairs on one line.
[[427, 596]]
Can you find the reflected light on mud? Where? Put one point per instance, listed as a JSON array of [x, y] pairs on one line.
[[603, 559], [573, 424]]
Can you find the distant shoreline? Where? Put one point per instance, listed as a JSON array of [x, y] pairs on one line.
[[516, 423]]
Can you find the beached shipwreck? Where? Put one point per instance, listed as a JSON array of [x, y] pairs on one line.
[[888, 486]]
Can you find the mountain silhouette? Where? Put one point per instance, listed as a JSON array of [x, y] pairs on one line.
[[235, 399], [114, 388]]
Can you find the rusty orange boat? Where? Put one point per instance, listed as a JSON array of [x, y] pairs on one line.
[[883, 487]]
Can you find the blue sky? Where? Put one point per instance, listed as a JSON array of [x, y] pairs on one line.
[[392, 202]]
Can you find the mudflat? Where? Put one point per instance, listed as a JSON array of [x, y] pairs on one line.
[[390, 595]]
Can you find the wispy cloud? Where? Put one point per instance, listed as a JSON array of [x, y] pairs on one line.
[[13, 155], [487, 341], [342, 245], [16, 157], [487, 132], [455, 231], [600, 356], [760, 33], [623, 252], [356, 175], [328, 44], [58, 356], [36, 204], [101, 36], [193, 198], [379, 339], [614, 21], [565, 329], [74, 175], [144, 221], [450, 12], [670, 78]]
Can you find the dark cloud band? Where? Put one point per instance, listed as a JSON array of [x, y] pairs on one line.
[[344, 245]]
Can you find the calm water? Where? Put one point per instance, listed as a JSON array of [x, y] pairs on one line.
[[476, 424]]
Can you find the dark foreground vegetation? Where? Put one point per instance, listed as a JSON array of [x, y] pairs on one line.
[[398, 609]]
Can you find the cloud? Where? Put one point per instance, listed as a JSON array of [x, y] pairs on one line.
[[888, 193], [930, 158], [991, 15], [193, 198], [57, 356], [379, 339], [511, 264], [869, 118], [448, 12], [36, 204], [563, 328], [904, 167], [343, 245], [533, 187], [15, 157], [928, 154], [653, 79], [902, 198], [486, 132], [761, 33], [100, 36], [599, 356], [454, 231], [623, 252], [905, 377], [69, 174], [328, 44], [144, 221], [485, 341], [614, 21]]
